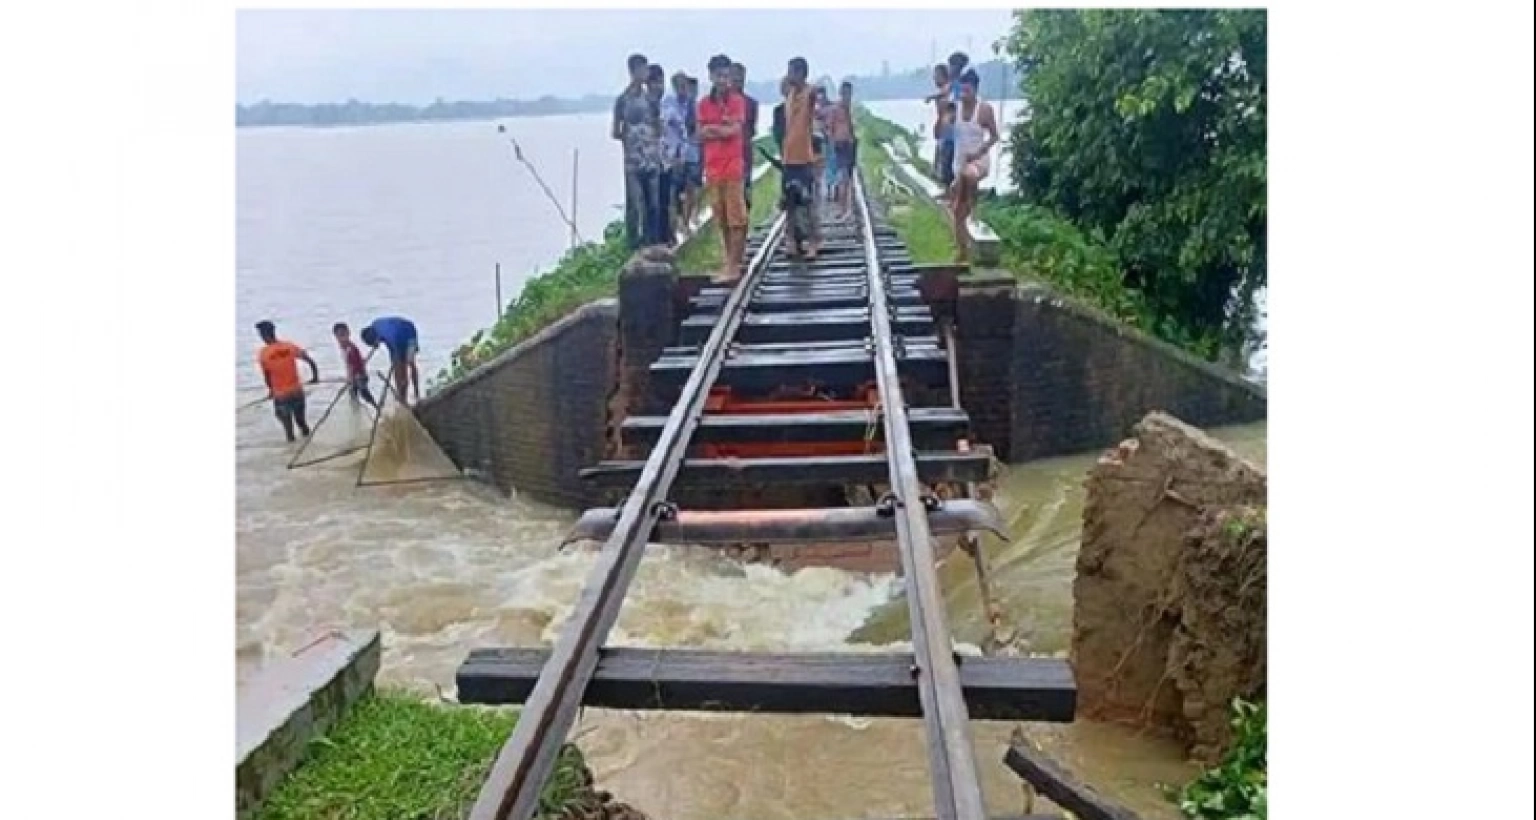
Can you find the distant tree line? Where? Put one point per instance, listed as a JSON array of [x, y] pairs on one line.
[[353, 112], [909, 85]]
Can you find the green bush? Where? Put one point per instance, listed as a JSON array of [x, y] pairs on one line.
[[1238, 788], [1039, 243], [1150, 126]]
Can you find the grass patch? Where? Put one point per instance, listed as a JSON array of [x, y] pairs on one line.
[[925, 230], [922, 226], [395, 756]]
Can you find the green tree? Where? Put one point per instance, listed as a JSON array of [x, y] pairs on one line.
[[1148, 128]]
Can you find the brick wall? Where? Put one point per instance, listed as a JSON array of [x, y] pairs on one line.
[[984, 318], [534, 416], [1042, 376]]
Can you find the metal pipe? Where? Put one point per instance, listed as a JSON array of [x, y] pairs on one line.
[[511, 790], [829, 525]]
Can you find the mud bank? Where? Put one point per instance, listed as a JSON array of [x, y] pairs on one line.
[[1170, 596]]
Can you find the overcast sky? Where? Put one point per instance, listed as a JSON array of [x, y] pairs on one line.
[[417, 56]]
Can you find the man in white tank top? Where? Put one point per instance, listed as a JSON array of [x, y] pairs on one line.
[[975, 132]]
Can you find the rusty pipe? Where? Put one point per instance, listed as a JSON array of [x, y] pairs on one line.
[[828, 525]]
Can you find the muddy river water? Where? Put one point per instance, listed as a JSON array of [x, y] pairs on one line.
[[445, 567], [342, 224]]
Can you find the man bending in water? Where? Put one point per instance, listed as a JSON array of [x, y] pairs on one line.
[[357, 370], [279, 361], [399, 338]]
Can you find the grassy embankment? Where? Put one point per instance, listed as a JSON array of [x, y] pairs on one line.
[[396, 756], [922, 226], [585, 274]]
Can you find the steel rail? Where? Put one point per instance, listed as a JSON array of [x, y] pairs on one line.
[[946, 721], [511, 789]]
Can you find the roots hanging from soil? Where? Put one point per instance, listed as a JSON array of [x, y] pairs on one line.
[[1171, 589]]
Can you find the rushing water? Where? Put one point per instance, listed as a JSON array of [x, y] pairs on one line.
[[346, 223]]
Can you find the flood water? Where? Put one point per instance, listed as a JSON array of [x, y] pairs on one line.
[[348, 223]]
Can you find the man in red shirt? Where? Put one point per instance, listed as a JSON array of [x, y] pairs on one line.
[[722, 115], [357, 367]]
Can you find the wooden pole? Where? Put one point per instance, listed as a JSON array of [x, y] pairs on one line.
[[500, 305]]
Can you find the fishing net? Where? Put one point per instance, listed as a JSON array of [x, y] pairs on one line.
[[402, 451], [341, 429]]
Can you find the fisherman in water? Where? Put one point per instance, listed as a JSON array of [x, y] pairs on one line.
[[399, 338], [279, 361], [357, 369]]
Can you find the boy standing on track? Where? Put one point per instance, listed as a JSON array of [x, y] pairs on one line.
[[398, 336], [279, 362], [799, 158], [357, 370], [722, 115], [844, 148], [800, 155]]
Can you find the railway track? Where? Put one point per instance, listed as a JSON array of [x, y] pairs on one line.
[[854, 320]]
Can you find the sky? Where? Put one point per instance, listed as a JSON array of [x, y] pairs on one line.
[[416, 56]]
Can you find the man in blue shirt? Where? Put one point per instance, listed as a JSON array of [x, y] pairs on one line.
[[398, 336], [957, 63]]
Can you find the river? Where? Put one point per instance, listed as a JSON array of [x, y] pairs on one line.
[[346, 224]]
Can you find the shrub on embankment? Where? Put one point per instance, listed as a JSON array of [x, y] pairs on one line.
[[1147, 133], [397, 756], [588, 271], [585, 273], [1238, 787]]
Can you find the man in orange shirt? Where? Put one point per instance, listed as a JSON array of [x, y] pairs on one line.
[[722, 116], [279, 361]]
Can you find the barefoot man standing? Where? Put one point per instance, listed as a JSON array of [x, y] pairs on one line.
[[722, 115], [975, 132]]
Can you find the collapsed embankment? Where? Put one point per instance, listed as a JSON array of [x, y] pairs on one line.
[[1170, 597]]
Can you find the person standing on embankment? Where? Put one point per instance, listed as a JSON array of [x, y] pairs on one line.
[[398, 336], [975, 132], [957, 66], [631, 112], [680, 153], [943, 149], [279, 363]]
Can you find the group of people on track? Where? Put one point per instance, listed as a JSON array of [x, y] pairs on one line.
[[683, 150], [279, 360]]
